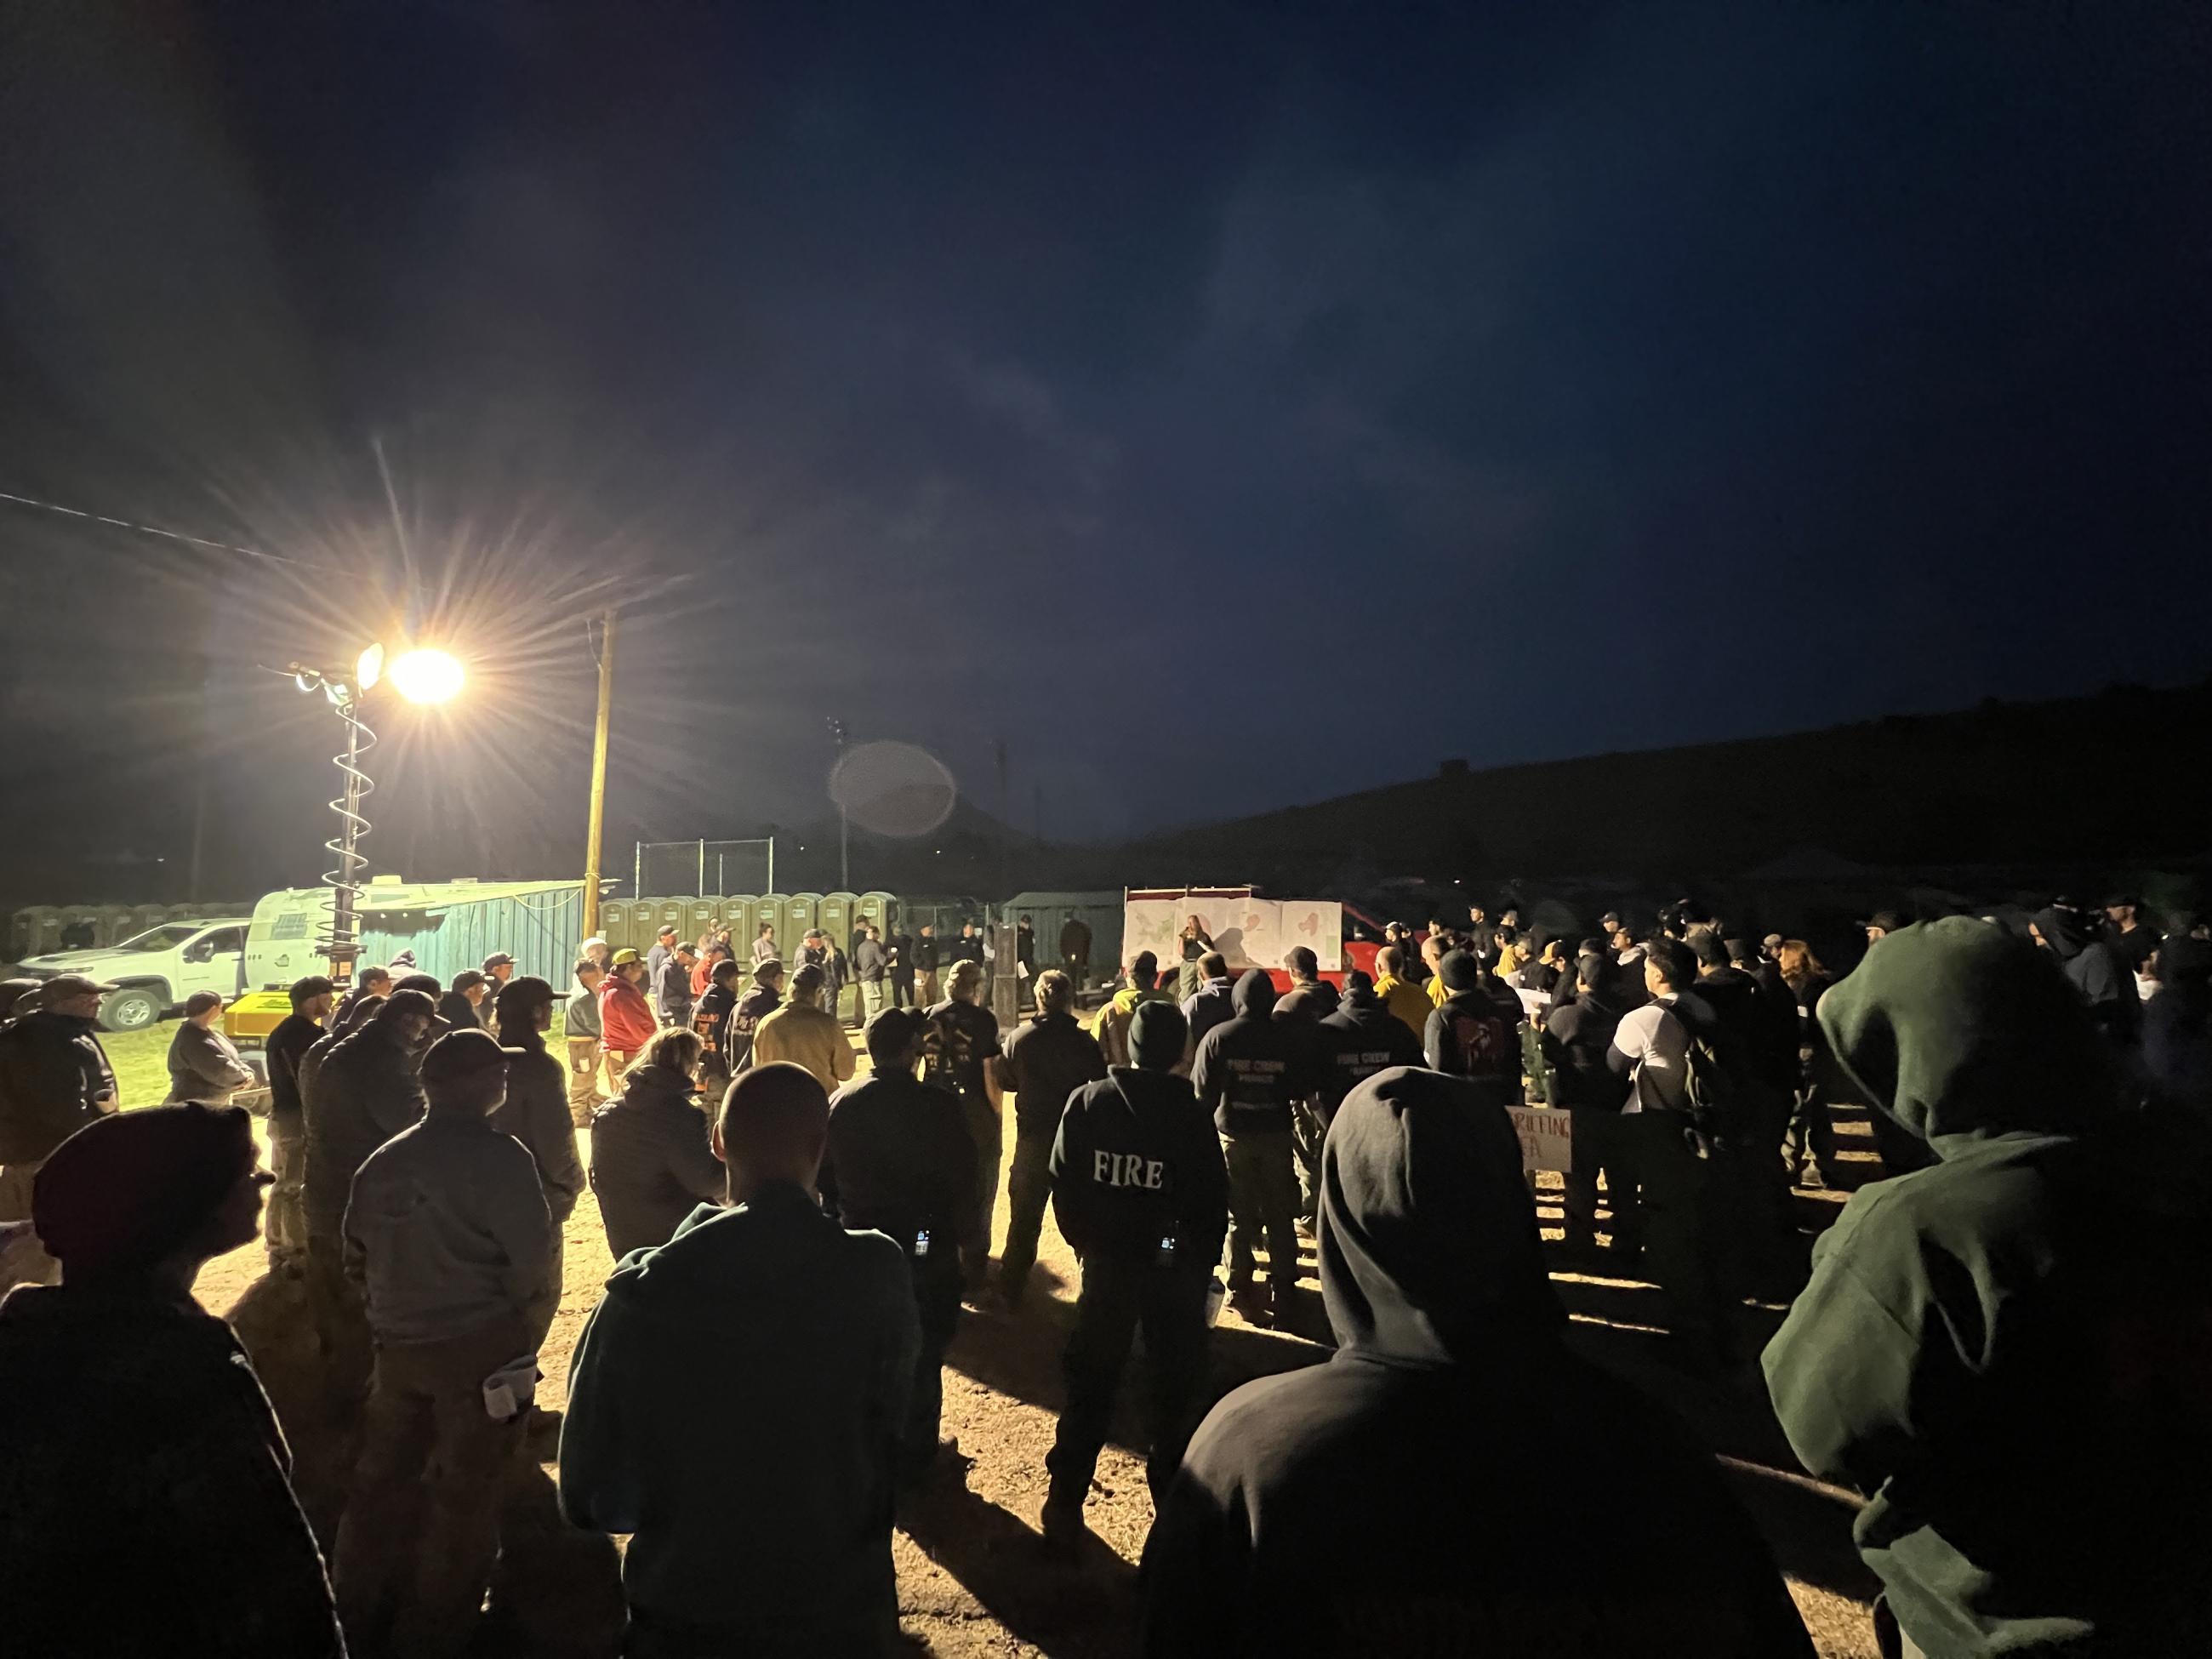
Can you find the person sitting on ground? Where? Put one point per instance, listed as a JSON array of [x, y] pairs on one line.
[[764, 1528], [126, 1413], [1377, 1498], [1210, 1004], [1990, 1347], [651, 1165], [203, 1063], [536, 1115], [901, 1161], [448, 1241], [1142, 1195], [804, 1033]]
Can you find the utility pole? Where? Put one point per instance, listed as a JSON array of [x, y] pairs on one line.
[[841, 735], [592, 836]]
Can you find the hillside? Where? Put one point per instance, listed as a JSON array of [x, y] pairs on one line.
[[2105, 783]]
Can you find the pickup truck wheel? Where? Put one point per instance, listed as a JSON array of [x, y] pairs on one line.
[[132, 1009]]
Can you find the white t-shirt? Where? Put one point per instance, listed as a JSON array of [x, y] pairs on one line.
[[1656, 1042]]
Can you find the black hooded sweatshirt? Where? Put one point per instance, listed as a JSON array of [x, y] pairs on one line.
[[1137, 1161], [2106, 984], [1250, 1069], [1365, 1038], [1473, 1033], [1383, 1502], [2005, 1350]]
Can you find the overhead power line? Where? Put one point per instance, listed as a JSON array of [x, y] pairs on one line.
[[157, 530]]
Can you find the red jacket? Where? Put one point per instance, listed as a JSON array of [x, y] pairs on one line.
[[624, 1017]]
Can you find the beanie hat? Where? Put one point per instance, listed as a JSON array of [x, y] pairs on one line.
[[126, 1189]]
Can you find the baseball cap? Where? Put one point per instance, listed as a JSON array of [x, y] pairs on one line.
[[74, 985], [497, 959], [1888, 921], [463, 1054], [626, 955]]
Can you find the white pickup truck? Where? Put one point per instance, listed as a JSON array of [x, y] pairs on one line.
[[156, 970]]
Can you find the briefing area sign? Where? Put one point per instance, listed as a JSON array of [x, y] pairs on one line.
[[1546, 1137], [1250, 932]]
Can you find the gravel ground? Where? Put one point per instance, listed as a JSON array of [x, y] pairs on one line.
[[973, 1579]]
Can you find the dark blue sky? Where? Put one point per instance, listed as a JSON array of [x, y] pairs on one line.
[[1228, 406]]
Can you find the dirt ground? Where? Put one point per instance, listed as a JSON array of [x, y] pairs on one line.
[[973, 1578]]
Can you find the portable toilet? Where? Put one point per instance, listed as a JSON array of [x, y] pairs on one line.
[[114, 925], [662, 912], [701, 916], [38, 930], [775, 910], [146, 917], [876, 908], [837, 919], [742, 917], [801, 913]]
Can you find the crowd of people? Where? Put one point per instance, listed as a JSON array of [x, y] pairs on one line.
[[2000, 1342]]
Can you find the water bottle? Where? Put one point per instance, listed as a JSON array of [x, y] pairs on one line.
[[1216, 1294]]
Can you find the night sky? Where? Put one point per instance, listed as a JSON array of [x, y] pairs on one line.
[[1225, 406]]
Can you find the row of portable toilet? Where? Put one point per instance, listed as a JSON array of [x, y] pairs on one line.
[[635, 923], [40, 929]]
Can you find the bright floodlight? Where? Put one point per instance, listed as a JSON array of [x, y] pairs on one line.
[[370, 665], [426, 676]]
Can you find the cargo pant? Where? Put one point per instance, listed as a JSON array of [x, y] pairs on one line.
[[1263, 1197], [417, 1547], [584, 1054], [1691, 1231], [984, 1128], [1028, 1187], [285, 1221], [1602, 1144], [1117, 1297], [937, 1301], [25, 1261]]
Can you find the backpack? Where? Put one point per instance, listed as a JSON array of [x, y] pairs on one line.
[[1717, 1093]]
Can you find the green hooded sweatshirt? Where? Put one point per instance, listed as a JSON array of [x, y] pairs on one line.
[[1981, 1348]]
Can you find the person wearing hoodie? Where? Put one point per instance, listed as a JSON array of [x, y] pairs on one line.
[[1381, 1501], [1403, 997], [130, 1420], [711, 1018], [1577, 1037], [54, 1079], [203, 1063], [1472, 1032], [536, 1115], [365, 1089], [1310, 1000], [626, 1022], [1142, 1195], [1045, 1062], [462, 1007], [765, 1527], [1993, 1347], [2103, 981], [1249, 1074], [448, 1241], [1111, 1027], [651, 1165], [900, 1161], [1364, 1037], [764, 999], [1211, 1004]]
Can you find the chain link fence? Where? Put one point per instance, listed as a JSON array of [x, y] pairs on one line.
[[701, 867]]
